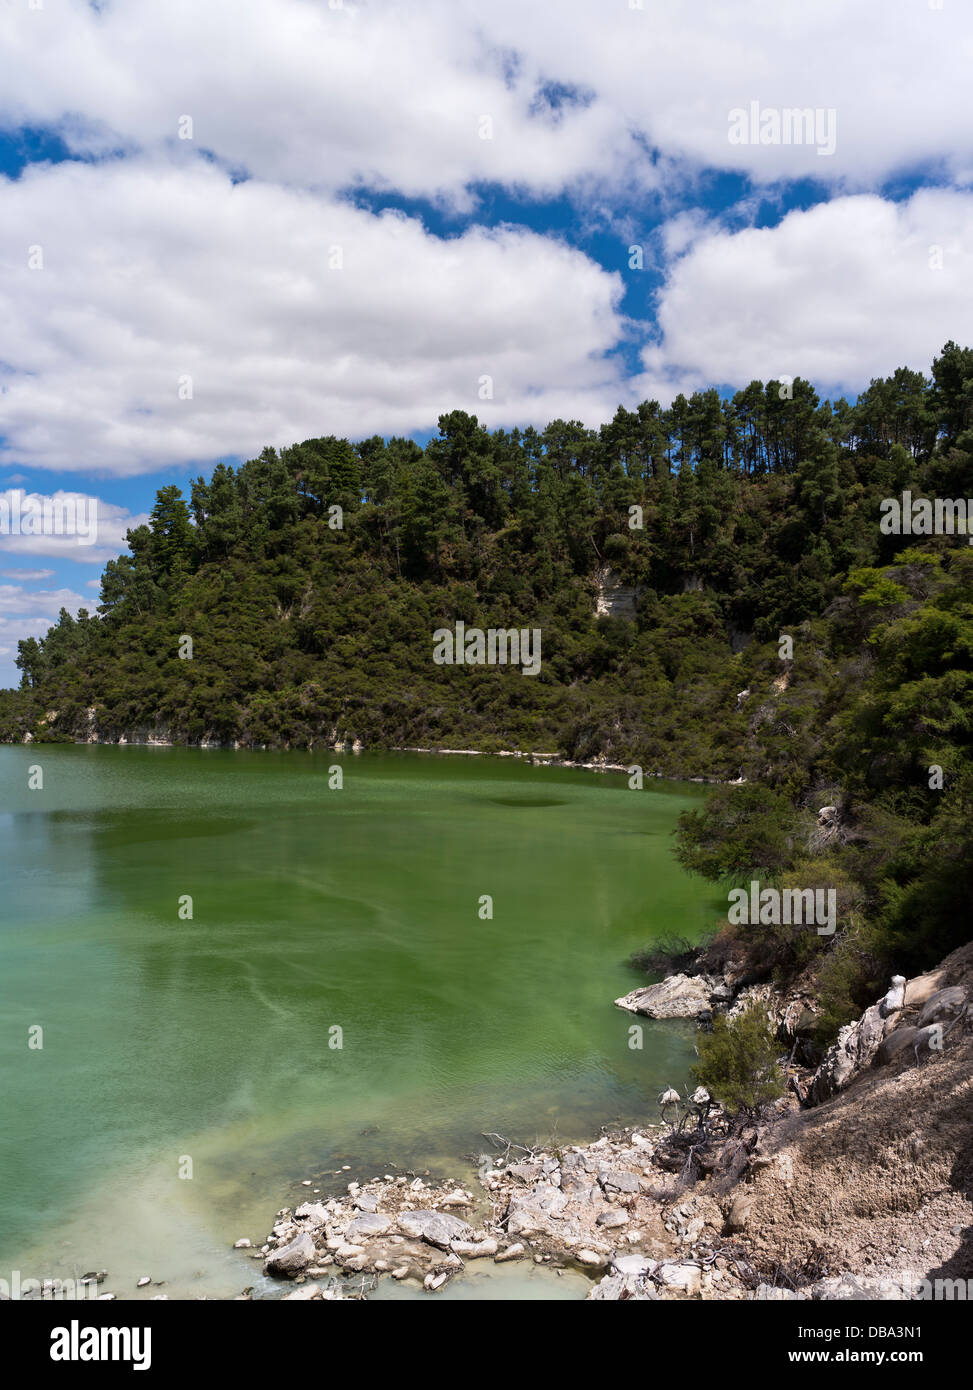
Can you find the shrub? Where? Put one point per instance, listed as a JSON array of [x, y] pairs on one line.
[[738, 1062]]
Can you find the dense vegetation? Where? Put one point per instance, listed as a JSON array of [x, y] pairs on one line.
[[760, 518], [738, 1062]]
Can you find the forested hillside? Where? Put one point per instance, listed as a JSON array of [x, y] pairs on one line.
[[311, 581]]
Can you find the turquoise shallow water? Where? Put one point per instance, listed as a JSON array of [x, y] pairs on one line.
[[208, 1045]]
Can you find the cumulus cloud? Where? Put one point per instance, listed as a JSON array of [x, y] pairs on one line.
[[420, 98], [204, 297], [395, 96], [63, 525], [840, 293], [179, 316]]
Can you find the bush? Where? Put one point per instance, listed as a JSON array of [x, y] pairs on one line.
[[738, 1062]]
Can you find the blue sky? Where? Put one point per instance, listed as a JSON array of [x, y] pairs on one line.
[[322, 217]]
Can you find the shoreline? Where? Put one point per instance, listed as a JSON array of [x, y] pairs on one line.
[[699, 1205], [533, 759]]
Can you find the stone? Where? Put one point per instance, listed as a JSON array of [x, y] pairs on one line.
[[855, 1048], [615, 1286], [612, 1218], [739, 1214], [434, 1227], [921, 988], [473, 1250], [943, 1006], [243, 1244], [290, 1259], [677, 996], [347, 1251], [456, 1199], [512, 1252], [619, 1180], [634, 1266], [898, 1041], [681, 1276], [304, 1294], [367, 1225], [312, 1213], [536, 1211], [591, 1257]]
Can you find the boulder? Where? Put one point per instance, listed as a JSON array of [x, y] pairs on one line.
[[434, 1227], [677, 996], [922, 987], [512, 1252], [474, 1250], [681, 1276], [536, 1211], [612, 1218], [619, 1180], [854, 1049], [898, 1041], [313, 1214], [367, 1225], [943, 1006], [290, 1259]]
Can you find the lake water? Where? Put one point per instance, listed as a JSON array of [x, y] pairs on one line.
[[209, 1042]]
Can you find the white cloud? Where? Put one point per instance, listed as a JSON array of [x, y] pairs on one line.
[[837, 294], [169, 270], [392, 96], [68, 526], [302, 93], [26, 576]]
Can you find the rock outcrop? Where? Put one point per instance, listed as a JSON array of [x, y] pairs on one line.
[[677, 996]]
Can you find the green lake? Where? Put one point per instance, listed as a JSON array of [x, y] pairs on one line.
[[208, 1043]]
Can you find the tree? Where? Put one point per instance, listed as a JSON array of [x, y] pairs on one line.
[[738, 1062]]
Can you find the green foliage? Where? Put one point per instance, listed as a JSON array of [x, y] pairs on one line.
[[741, 834], [738, 1062]]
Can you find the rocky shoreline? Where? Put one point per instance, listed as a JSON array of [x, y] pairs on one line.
[[161, 737], [693, 1206]]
